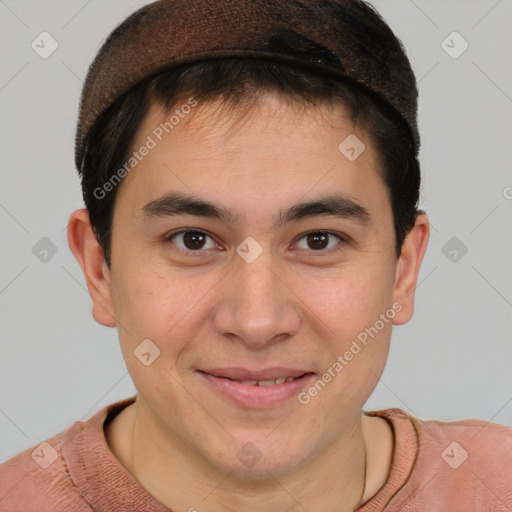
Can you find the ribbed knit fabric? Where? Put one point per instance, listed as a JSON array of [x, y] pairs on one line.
[[86, 476]]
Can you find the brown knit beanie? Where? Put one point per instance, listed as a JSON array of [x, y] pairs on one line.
[[324, 36]]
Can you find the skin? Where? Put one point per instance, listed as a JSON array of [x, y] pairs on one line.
[[295, 305]]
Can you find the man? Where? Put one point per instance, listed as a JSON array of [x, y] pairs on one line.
[[251, 182]]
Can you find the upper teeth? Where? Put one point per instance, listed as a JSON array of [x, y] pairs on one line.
[[270, 382]]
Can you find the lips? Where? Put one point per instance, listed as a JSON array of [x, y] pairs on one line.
[[264, 383], [249, 389], [267, 374]]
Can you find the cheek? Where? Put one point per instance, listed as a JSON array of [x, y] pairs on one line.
[[349, 300], [165, 306], [147, 304]]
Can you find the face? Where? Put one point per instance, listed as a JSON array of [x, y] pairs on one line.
[[254, 286]]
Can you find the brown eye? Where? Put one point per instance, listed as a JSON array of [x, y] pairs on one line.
[[319, 240], [191, 240]]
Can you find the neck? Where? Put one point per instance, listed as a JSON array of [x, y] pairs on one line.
[[339, 478]]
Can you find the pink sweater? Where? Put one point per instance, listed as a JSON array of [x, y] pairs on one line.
[[458, 466]]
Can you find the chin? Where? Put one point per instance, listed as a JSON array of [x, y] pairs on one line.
[[260, 460]]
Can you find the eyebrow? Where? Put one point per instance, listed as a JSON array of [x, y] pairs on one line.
[[336, 205]]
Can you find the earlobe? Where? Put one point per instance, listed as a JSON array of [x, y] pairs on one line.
[[408, 268], [90, 256]]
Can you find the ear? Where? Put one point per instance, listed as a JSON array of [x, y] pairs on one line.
[[90, 256], [408, 268]]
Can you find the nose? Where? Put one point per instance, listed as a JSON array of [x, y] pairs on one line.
[[258, 306]]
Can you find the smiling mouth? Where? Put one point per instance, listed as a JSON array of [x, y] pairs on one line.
[[270, 387], [265, 383]]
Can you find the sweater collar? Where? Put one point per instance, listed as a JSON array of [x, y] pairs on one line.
[[106, 485]]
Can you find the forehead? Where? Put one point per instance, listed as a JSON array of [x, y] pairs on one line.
[[274, 152]]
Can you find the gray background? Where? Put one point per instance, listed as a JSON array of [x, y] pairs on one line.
[[452, 361]]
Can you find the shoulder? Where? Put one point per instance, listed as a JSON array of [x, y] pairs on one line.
[[486, 445], [483, 441], [469, 459], [66, 472], [455, 465], [38, 479]]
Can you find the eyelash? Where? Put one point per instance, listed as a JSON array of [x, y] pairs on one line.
[[343, 240]]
